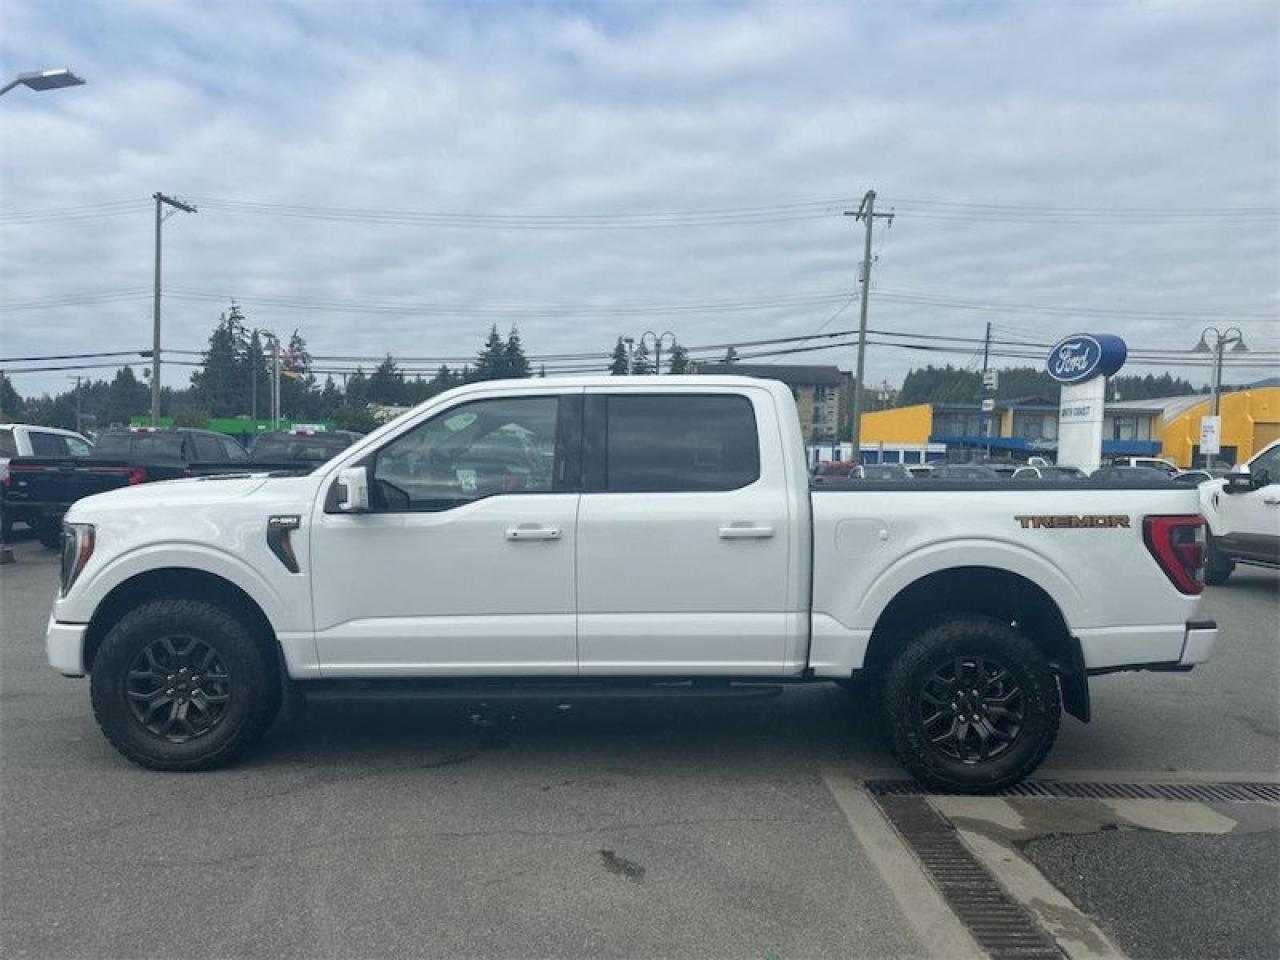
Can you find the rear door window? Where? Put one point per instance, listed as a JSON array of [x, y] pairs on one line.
[[680, 442], [207, 447], [50, 445], [8, 448]]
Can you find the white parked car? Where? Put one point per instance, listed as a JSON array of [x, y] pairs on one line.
[[28, 440], [578, 537], [1243, 513]]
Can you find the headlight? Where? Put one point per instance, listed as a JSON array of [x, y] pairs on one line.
[[77, 548]]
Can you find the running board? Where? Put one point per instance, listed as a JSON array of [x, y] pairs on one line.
[[401, 690]]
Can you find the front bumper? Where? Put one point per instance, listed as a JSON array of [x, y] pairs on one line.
[[64, 644], [1197, 644]]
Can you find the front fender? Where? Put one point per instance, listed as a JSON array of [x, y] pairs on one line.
[[97, 583]]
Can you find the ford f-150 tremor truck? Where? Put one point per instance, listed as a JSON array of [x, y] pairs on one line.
[[586, 537]]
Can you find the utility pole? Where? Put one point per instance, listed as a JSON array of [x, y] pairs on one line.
[[275, 382], [988, 387], [78, 402], [161, 200], [866, 213]]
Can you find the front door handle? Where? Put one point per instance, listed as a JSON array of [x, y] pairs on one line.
[[533, 531], [746, 531]]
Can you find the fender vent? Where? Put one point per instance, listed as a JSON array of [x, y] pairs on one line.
[[1060, 789]]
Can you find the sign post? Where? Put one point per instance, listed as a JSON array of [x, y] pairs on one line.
[[1082, 363], [1210, 437]]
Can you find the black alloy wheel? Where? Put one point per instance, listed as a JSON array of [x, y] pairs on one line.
[[972, 709], [178, 688], [184, 684], [970, 704]]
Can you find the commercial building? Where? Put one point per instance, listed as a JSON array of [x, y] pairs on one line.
[[1013, 428], [1166, 427], [822, 391]]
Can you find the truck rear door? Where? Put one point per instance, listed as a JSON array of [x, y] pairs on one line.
[[684, 534]]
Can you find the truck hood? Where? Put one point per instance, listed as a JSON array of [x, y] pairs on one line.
[[194, 492]]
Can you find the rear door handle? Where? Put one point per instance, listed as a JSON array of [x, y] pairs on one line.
[[533, 531], [745, 531]]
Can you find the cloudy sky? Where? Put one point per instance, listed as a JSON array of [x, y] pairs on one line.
[[394, 176]]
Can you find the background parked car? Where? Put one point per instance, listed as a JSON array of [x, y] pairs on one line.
[[1151, 463], [1115, 474], [881, 471], [26, 440], [971, 472], [300, 446], [1049, 473], [1199, 475], [833, 470]]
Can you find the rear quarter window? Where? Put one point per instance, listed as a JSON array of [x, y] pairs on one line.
[[680, 442], [8, 447]]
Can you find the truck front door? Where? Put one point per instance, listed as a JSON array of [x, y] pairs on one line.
[[464, 565], [684, 535]]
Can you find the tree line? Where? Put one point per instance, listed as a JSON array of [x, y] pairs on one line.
[[233, 379]]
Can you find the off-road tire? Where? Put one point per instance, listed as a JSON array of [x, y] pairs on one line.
[[943, 643], [1217, 566], [253, 685]]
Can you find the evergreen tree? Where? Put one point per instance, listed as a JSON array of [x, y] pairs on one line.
[[330, 399], [619, 365], [219, 384], [515, 364], [10, 400], [679, 362], [386, 384], [491, 362], [640, 365], [127, 397]]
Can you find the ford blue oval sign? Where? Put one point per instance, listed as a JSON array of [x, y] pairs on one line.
[[1084, 356]]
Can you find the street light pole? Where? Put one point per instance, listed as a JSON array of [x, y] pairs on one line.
[[658, 339], [1221, 339], [40, 80], [161, 200]]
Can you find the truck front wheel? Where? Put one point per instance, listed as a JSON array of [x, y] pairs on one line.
[[970, 705], [180, 684]]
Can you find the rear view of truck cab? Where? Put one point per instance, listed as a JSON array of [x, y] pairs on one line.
[[581, 536]]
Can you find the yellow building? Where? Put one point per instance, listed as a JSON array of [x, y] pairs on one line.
[[1167, 427], [1250, 420]]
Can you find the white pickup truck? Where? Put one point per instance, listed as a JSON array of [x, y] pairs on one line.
[[587, 537], [1243, 514]]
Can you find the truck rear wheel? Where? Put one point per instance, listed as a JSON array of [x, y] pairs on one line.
[[970, 705], [181, 684]]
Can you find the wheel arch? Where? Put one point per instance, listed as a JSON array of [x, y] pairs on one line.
[[182, 582], [989, 591]]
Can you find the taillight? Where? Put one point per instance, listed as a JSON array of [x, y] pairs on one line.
[[1178, 544], [137, 475]]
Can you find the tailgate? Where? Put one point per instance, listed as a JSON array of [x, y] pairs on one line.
[[50, 481]]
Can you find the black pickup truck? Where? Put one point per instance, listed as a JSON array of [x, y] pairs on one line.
[[49, 485]]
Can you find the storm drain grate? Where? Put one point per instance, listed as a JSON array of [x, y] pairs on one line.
[[1202, 792], [1002, 927]]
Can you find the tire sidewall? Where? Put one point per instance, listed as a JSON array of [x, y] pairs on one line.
[[235, 646], [970, 637]]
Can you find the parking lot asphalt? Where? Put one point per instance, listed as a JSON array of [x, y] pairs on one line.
[[640, 829]]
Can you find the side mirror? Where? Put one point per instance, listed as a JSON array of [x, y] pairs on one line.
[[1238, 481], [354, 482]]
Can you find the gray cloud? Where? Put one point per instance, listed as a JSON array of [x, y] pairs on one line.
[[508, 109]]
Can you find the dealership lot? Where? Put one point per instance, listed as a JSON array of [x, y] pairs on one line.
[[630, 829]]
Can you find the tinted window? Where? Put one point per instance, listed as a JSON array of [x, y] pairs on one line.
[[56, 445], [114, 446], [468, 452], [315, 447], [157, 446], [8, 448], [206, 447], [78, 448], [232, 450], [676, 443]]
